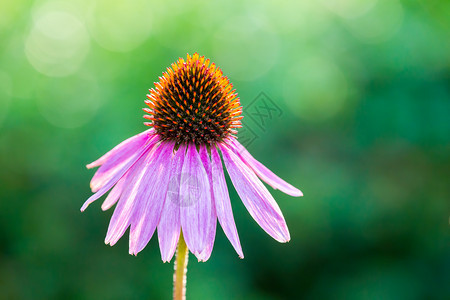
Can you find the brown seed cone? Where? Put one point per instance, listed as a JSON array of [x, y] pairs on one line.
[[193, 102]]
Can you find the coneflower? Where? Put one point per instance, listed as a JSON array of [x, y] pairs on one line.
[[171, 178]]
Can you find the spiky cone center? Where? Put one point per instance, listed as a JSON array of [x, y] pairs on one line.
[[193, 102]]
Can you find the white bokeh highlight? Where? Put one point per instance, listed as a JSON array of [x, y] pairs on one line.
[[58, 41]]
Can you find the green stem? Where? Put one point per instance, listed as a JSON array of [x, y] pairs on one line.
[[180, 269]]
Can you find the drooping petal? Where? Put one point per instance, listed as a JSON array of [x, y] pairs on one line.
[[101, 177], [128, 202], [133, 142], [169, 224], [117, 176], [262, 171], [150, 199], [222, 202], [116, 162], [196, 204], [114, 194], [255, 196], [212, 222]]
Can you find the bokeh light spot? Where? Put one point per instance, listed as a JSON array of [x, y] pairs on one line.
[[120, 26], [58, 41]]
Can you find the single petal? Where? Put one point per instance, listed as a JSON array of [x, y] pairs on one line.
[[262, 171], [114, 194], [222, 202], [117, 176], [118, 161], [133, 142], [150, 199], [125, 209], [169, 224], [255, 196], [212, 223], [196, 204]]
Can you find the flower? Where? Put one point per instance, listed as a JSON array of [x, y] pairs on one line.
[[171, 177]]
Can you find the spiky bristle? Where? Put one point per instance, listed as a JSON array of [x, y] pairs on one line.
[[193, 102]]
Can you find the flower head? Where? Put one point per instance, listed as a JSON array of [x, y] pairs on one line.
[[170, 178], [193, 103]]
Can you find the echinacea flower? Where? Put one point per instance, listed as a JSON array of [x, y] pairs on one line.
[[171, 177]]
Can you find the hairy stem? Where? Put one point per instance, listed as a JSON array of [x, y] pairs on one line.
[[180, 269]]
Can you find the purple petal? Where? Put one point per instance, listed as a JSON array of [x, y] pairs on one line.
[[212, 222], [169, 224], [126, 207], [119, 174], [222, 202], [114, 195], [135, 141], [195, 202], [150, 199], [255, 196], [262, 171], [115, 163]]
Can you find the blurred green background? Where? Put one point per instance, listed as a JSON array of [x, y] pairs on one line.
[[363, 91]]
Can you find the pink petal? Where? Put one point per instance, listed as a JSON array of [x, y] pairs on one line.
[[262, 171], [222, 202], [117, 161], [255, 196], [117, 176], [128, 202], [196, 204], [169, 224], [135, 141], [114, 194], [150, 199], [212, 222]]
